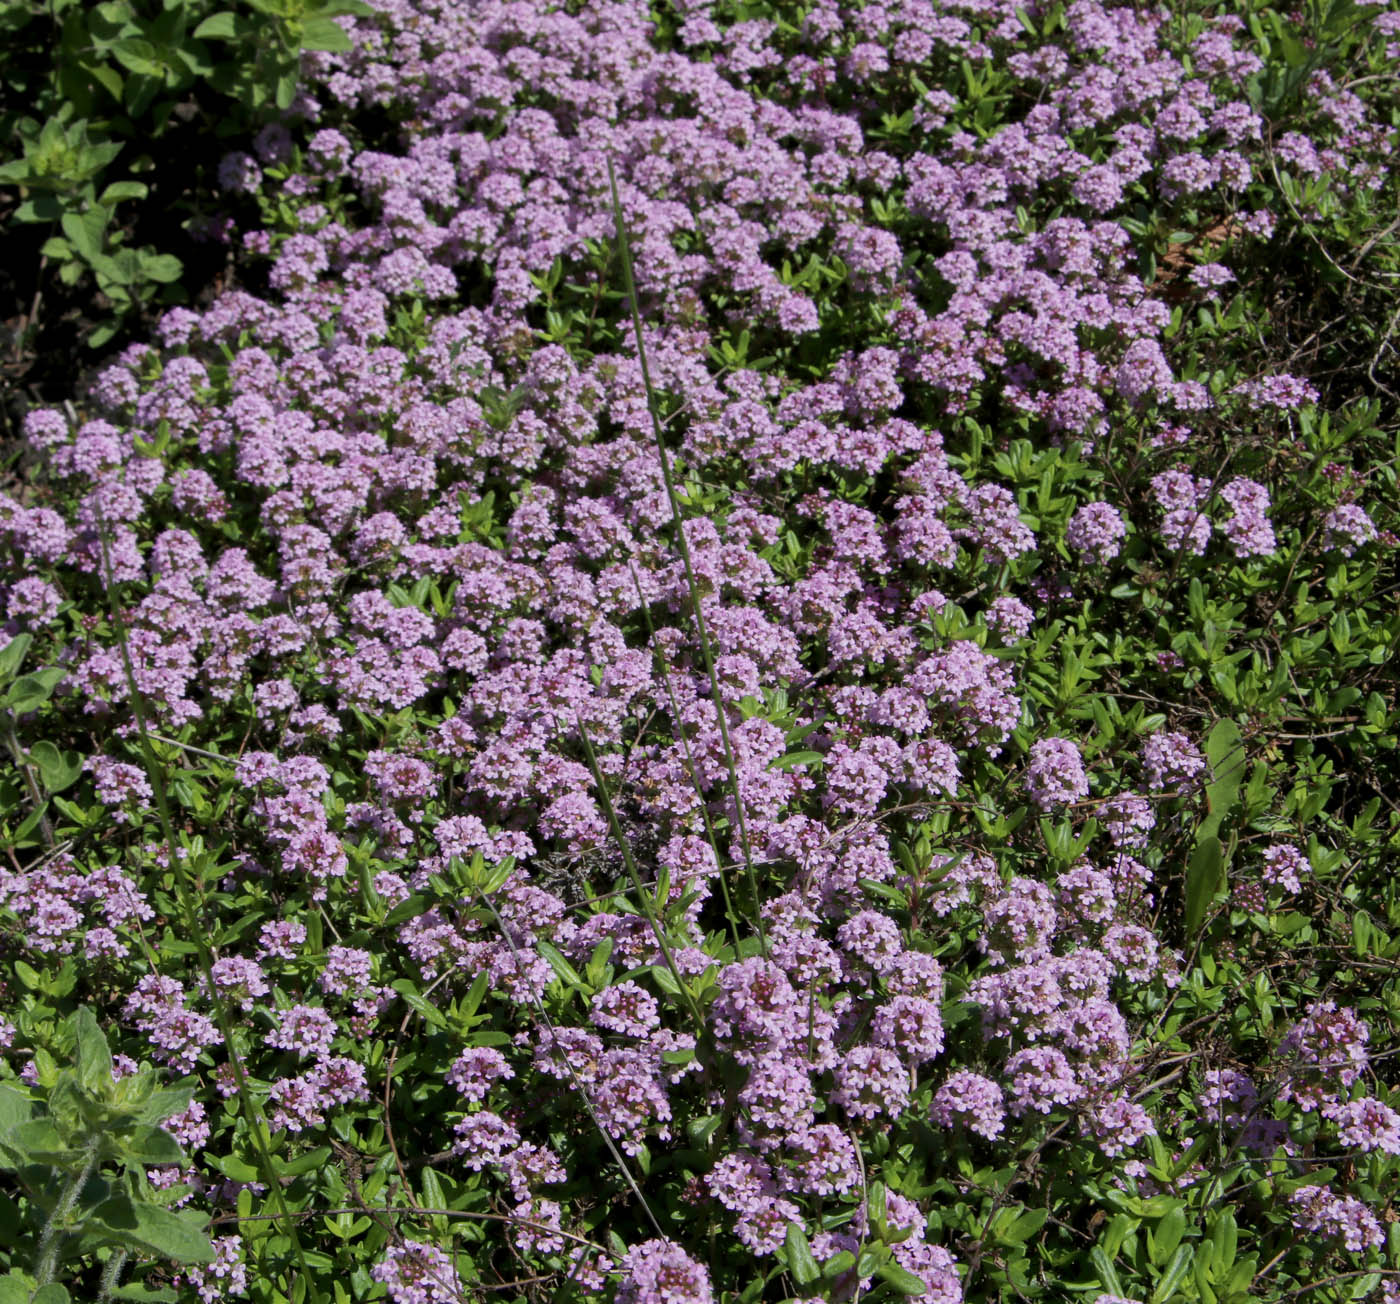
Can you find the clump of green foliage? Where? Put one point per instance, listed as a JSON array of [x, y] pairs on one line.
[[92, 98]]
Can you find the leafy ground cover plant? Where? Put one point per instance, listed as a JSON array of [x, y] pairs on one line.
[[761, 673], [100, 102]]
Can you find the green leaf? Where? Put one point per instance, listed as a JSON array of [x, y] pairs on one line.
[[236, 1170], [662, 977], [1026, 1226], [565, 972], [309, 1162], [29, 975], [39, 1142], [94, 1056], [120, 190], [161, 267], [1175, 1273], [160, 1105], [1107, 1273], [1166, 1236], [54, 1293], [1225, 754], [324, 34], [15, 1288], [1203, 879], [15, 1108], [59, 770], [904, 1281], [151, 1146], [1225, 1235], [151, 1228], [799, 1256], [415, 1001], [138, 56], [218, 27], [335, 8], [85, 233], [285, 91], [30, 692], [12, 655]]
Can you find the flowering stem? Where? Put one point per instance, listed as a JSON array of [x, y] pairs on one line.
[[643, 897], [625, 252]]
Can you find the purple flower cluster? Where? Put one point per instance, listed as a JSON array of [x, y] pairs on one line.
[[1055, 776], [416, 557]]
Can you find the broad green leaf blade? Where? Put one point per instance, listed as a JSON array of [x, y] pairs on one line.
[[154, 1229], [152, 1146], [12, 654], [324, 34], [1175, 1273], [90, 1047], [904, 1281], [799, 1256], [15, 1108], [1203, 880], [39, 1142], [160, 1105]]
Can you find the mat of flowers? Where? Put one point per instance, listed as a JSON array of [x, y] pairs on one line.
[[884, 790]]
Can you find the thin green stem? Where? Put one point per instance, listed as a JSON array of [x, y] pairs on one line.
[[643, 896], [691, 769], [52, 1234], [22, 764], [678, 520], [111, 1270]]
